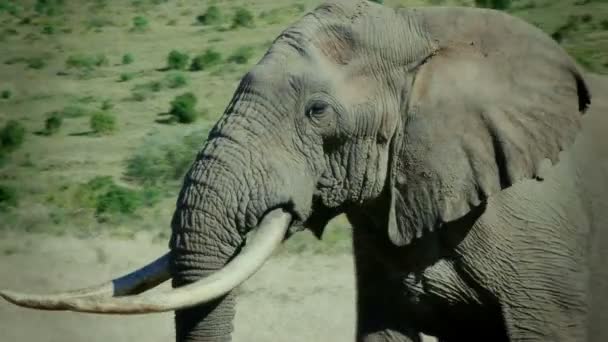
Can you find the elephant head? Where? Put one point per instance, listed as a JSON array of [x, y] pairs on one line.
[[414, 116]]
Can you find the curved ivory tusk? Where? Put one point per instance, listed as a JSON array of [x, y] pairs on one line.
[[268, 235], [135, 282]]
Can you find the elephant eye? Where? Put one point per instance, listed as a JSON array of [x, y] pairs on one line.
[[316, 108]]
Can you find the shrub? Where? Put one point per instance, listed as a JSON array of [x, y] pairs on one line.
[[140, 24], [242, 18], [53, 123], [117, 200], [206, 60], [212, 16], [495, 4], [48, 29], [604, 24], [6, 94], [12, 136], [8, 197], [48, 7], [586, 18], [127, 58], [9, 7], [36, 63], [87, 62], [176, 80], [241, 55], [106, 105], [126, 76], [103, 123], [177, 60], [377, 1], [73, 111], [183, 108], [161, 161]]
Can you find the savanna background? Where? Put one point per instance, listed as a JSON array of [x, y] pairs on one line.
[[104, 105]]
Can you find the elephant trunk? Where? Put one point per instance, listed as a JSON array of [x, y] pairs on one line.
[[221, 200]]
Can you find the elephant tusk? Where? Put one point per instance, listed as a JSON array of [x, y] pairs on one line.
[[135, 282], [267, 236]]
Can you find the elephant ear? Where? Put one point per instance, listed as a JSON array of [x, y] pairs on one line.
[[495, 100]]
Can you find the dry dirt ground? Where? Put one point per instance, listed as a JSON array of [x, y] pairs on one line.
[[291, 299]]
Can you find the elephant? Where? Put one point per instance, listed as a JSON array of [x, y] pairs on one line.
[[461, 144]]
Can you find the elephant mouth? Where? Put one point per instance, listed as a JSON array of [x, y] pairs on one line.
[[126, 294]]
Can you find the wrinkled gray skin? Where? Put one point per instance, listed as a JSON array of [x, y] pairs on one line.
[[438, 132]]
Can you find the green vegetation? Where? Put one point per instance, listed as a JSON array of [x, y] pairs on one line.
[[86, 62], [183, 108], [126, 76], [162, 162], [37, 44], [378, 1], [140, 24], [36, 63], [106, 105], [103, 123], [177, 60], [242, 18], [104, 200], [9, 7], [127, 58], [48, 29], [495, 4], [49, 7], [8, 197], [53, 123], [175, 80], [206, 60], [213, 16], [241, 55], [12, 136]]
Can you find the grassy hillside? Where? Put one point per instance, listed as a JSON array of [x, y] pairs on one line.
[[94, 143]]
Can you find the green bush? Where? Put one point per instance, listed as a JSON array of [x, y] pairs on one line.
[[53, 123], [378, 1], [177, 60], [12, 136], [8, 197], [9, 7], [36, 63], [495, 4], [140, 24], [127, 58], [213, 16], [48, 29], [117, 200], [206, 60], [604, 24], [103, 123], [73, 111], [242, 18], [183, 108], [175, 80], [105, 197], [106, 105], [162, 161], [48, 7], [241, 55], [88, 62], [6, 94], [126, 76]]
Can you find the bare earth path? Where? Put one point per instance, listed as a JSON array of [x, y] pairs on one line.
[[292, 299]]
